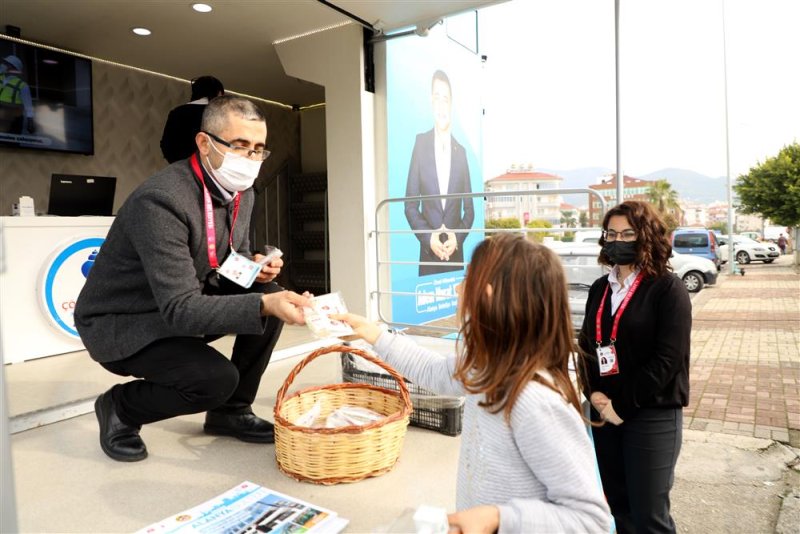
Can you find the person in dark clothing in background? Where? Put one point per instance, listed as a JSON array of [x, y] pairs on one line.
[[636, 337], [183, 122]]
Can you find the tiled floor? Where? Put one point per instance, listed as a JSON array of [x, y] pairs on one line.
[[745, 374]]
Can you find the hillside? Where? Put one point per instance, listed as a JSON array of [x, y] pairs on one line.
[[690, 185]]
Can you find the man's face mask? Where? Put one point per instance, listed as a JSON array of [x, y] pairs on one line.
[[237, 173]]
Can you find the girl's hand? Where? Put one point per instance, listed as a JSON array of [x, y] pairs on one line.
[[477, 520], [365, 329]]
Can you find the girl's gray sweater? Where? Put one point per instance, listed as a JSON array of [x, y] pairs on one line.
[[540, 470]]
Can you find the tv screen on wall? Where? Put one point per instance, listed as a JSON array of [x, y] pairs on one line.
[[45, 99]]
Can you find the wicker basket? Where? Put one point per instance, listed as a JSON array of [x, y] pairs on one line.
[[344, 454]]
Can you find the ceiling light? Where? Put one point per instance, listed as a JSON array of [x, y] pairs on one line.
[[201, 8], [141, 31]]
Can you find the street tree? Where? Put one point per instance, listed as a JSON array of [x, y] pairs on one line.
[[663, 196], [665, 200], [772, 188], [538, 237], [568, 219]]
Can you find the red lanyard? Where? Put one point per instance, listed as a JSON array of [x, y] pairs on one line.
[[211, 234], [598, 333]]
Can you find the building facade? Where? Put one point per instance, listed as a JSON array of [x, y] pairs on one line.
[[632, 189], [520, 205]]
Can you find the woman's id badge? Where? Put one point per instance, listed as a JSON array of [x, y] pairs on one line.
[[607, 360], [239, 269]]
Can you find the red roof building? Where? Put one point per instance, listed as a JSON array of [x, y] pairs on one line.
[[527, 198]]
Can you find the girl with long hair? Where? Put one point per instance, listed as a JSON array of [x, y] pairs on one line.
[[526, 462]]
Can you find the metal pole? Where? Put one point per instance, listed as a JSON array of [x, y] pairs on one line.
[[620, 174], [8, 503], [731, 257]]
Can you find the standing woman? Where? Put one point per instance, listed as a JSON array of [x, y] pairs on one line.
[[636, 335]]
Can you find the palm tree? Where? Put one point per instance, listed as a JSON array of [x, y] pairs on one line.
[[665, 199], [568, 219]]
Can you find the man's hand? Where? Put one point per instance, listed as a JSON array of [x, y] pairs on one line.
[[451, 245], [286, 306], [480, 519], [437, 247], [269, 271], [365, 329]]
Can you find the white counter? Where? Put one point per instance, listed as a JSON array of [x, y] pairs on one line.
[[45, 261]]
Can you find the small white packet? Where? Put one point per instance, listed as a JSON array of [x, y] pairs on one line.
[[318, 316], [270, 253], [351, 415], [309, 418]]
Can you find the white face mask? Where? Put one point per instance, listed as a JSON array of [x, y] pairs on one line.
[[236, 173]]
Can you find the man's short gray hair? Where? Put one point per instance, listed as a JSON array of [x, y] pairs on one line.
[[215, 116]]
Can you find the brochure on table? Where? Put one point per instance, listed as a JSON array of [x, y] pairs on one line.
[[250, 508]]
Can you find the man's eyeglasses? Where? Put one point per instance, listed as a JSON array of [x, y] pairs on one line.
[[625, 235], [259, 154]]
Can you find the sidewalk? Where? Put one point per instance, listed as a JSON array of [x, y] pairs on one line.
[[739, 468], [745, 372]]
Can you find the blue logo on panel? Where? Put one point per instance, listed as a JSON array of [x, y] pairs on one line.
[[62, 280]]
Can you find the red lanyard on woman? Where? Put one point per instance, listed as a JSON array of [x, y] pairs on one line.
[[211, 235], [598, 319]]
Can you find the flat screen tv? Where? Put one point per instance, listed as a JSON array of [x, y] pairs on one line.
[[73, 195], [45, 99]]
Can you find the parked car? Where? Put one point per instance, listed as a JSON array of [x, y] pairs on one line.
[[581, 270], [695, 271], [588, 236], [697, 242], [748, 250]]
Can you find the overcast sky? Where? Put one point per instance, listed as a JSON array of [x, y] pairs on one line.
[[550, 83]]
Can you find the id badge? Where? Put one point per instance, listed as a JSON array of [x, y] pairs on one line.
[[607, 360], [240, 270]]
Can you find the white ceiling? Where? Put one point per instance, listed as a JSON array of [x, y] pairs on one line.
[[233, 42]]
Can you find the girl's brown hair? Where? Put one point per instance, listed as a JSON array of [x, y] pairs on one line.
[[653, 248], [515, 321]]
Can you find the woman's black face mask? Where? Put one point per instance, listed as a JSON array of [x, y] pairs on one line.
[[620, 252]]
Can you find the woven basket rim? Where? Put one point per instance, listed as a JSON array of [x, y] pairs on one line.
[[338, 348]]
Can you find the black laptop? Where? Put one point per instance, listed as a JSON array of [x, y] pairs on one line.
[[73, 195]]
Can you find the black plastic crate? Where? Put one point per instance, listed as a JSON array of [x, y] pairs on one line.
[[430, 411]]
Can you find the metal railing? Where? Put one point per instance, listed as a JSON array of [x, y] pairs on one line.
[[382, 232]]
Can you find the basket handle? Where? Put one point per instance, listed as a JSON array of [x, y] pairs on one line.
[[341, 348]]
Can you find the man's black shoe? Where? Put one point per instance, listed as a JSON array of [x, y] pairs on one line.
[[244, 426], [118, 440]]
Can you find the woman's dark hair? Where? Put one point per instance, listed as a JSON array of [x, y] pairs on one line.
[[206, 87], [515, 321], [653, 248]]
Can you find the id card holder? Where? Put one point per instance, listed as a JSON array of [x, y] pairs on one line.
[[239, 270], [607, 360]]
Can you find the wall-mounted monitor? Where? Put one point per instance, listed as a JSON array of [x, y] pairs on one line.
[[45, 99]]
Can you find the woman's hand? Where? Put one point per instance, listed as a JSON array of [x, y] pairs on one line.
[[599, 401], [365, 329], [610, 415], [604, 407], [477, 520]]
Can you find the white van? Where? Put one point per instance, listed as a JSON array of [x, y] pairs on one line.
[[588, 236]]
